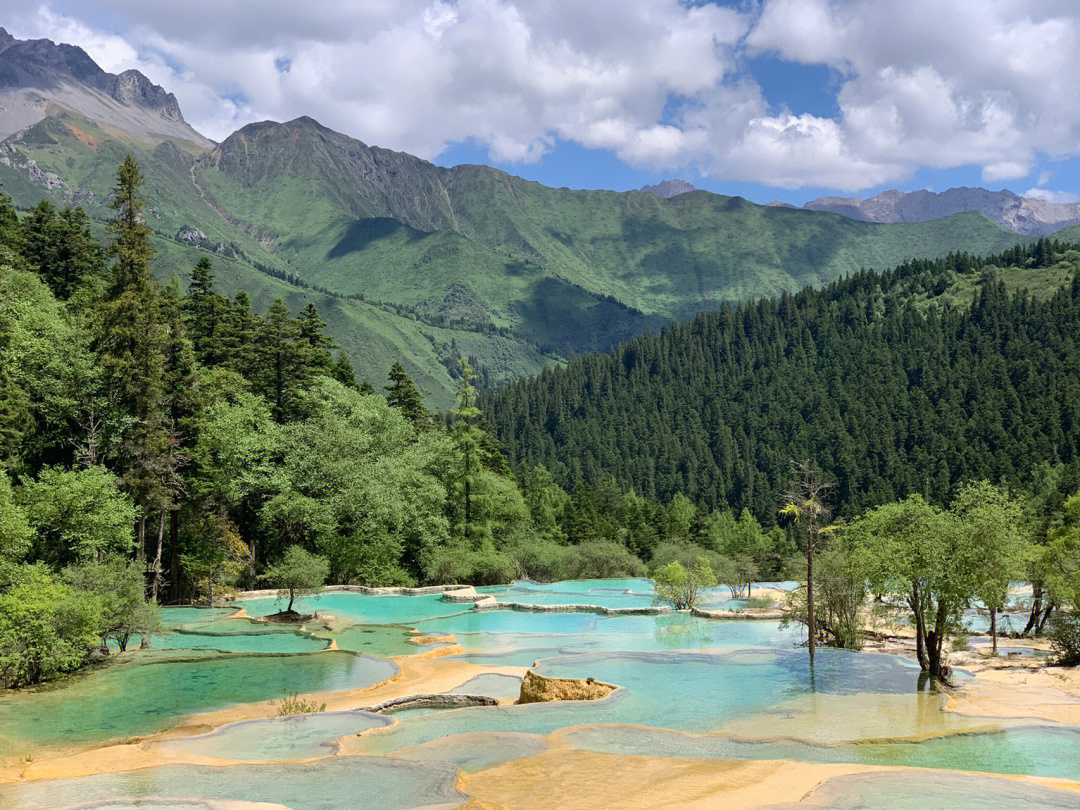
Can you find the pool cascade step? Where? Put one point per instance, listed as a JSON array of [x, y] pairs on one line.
[[425, 590], [429, 701], [750, 614], [490, 603]]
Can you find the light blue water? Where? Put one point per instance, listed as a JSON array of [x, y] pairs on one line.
[[928, 790], [330, 784], [134, 699], [490, 685], [683, 691], [172, 617], [1031, 750], [476, 752], [519, 639], [360, 607], [298, 737]]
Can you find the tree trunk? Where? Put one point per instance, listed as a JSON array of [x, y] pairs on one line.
[[140, 538], [155, 585], [1036, 609], [993, 631], [920, 629], [291, 597], [1045, 618], [174, 558], [810, 586]]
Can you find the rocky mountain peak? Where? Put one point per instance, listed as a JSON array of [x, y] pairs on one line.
[[133, 88], [668, 188]]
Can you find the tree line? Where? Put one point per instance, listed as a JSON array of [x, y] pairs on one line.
[[162, 443]]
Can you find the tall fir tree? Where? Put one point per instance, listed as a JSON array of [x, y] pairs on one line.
[[471, 523], [403, 394], [132, 346]]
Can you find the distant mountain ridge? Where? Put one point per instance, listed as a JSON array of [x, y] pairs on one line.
[[412, 262], [666, 189], [1024, 215], [36, 76]]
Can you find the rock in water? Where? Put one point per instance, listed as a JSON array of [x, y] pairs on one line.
[[538, 689]]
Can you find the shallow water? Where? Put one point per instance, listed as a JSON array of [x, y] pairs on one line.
[[299, 737], [331, 784], [490, 685], [683, 691], [1029, 750], [360, 607], [689, 688], [939, 791], [126, 700], [476, 752]]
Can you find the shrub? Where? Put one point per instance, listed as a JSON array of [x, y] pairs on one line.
[[293, 704], [680, 586], [1064, 634], [46, 627]]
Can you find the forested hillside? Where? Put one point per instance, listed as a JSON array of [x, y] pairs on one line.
[[911, 381], [421, 264]]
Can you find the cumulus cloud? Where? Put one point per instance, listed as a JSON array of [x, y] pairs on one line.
[[663, 84]]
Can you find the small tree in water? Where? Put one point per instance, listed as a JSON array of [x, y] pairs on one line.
[[297, 573], [805, 503], [679, 586]]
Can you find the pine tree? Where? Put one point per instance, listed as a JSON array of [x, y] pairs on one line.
[[204, 312], [317, 344], [132, 347], [60, 248], [472, 524], [403, 394], [282, 367]]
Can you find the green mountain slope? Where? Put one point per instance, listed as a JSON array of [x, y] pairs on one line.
[[912, 381], [411, 261]]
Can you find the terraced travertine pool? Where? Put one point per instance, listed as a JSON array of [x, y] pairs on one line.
[[713, 692]]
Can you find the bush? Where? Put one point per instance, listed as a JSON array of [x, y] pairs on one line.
[[603, 559], [485, 566], [297, 573], [1064, 634], [293, 704], [46, 628], [680, 586]]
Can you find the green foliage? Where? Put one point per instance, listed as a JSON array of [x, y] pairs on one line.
[[77, 515], [297, 573], [292, 705], [1064, 634], [679, 586], [888, 393], [1060, 565], [46, 627], [58, 246], [16, 535], [119, 585], [403, 394], [44, 367]]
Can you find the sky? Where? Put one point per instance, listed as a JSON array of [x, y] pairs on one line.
[[767, 99]]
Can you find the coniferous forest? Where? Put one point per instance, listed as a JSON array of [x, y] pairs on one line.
[[907, 382]]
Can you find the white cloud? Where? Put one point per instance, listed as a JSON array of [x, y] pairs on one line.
[[1052, 196], [662, 83]]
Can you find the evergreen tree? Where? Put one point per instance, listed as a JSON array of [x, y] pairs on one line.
[[132, 346], [59, 248], [471, 525], [317, 344], [403, 394], [205, 316], [282, 367]]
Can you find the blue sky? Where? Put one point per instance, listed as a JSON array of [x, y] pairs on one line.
[[766, 99]]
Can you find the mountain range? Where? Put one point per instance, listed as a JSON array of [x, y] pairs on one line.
[[1024, 215], [414, 262]]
